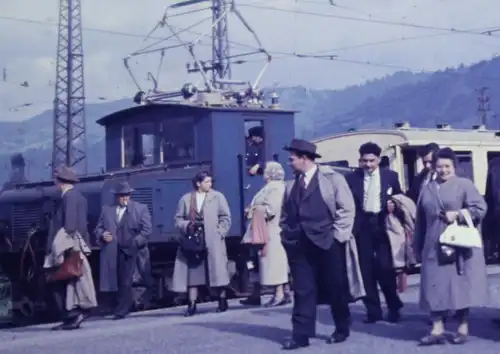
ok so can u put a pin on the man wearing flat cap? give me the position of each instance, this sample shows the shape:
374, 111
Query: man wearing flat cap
255, 158
122, 232
317, 220
69, 233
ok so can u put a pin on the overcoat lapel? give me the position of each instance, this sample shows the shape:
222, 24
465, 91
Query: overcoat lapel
359, 187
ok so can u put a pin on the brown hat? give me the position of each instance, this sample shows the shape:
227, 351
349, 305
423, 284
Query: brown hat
66, 174
303, 146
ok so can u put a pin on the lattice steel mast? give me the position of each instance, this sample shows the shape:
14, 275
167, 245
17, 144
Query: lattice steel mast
220, 43
69, 104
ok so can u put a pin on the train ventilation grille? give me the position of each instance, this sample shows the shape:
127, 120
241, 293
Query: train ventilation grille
144, 196
23, 216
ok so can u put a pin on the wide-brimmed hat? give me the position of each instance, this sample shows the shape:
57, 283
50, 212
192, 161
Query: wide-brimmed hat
66, 174
122, 188
257, 131
303, 146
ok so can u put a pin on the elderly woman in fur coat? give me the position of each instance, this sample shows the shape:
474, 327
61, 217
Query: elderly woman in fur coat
263, 233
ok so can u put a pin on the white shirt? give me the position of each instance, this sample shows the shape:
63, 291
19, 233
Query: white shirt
431, 176
200, 199
309, 175
371, 198
120, 210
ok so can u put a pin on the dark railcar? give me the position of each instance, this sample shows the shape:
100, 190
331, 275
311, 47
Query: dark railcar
157, 148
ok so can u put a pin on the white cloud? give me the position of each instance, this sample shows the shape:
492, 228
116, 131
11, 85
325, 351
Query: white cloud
28, 50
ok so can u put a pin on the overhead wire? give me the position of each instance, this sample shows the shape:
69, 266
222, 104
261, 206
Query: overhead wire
319, 54
374, 21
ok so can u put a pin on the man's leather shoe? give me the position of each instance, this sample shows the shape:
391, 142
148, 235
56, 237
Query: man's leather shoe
338, 337
393, 316
118, 317
295, 343
372, 319
59, 327
75, 324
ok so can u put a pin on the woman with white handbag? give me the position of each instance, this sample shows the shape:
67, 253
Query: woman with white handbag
449, 247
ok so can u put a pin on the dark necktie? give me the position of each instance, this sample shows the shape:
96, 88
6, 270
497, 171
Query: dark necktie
302, 186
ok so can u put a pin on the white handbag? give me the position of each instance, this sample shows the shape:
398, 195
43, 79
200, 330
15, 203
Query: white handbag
460, 235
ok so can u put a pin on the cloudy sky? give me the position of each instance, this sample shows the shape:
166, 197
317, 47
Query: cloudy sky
370, 39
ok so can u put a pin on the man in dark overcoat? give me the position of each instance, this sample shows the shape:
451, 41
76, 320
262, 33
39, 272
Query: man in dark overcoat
427, 174
122, 232
69, 231
317, 219
371, 187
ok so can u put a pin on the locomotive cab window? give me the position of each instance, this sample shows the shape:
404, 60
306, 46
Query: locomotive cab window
255, 155
139, 142
177, 139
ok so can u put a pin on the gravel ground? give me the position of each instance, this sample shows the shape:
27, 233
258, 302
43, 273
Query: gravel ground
242, 330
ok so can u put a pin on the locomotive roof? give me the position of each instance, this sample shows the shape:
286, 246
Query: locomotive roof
182, 108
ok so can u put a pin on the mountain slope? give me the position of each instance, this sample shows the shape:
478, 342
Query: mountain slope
448, 96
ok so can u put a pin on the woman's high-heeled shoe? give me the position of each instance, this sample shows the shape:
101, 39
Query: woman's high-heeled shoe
191, 310
432, 339
223, 305
458, 338
273, 302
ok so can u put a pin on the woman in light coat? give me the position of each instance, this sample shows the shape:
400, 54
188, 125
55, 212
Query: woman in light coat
454, 283
207, 207
273, 263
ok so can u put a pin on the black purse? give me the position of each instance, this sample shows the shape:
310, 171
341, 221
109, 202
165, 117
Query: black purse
192, 241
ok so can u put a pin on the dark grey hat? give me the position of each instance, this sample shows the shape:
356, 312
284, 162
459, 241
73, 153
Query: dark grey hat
66, 174
303, 146
257, 131
122, 188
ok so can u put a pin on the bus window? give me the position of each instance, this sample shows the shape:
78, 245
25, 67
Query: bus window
464, 164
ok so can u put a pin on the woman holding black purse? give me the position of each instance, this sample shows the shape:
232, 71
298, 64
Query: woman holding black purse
452, 278
203, 219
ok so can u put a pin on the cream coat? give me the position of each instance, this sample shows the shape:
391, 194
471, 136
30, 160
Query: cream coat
274, 265
217, 221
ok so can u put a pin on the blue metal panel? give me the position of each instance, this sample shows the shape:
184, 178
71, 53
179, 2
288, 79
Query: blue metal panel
203, 137
280, 130
229, 142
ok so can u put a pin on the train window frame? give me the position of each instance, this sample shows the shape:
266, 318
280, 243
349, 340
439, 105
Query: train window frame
465, 154
129, 144
189, 120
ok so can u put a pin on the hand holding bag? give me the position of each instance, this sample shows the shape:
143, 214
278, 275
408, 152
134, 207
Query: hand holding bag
71, 268
456, 235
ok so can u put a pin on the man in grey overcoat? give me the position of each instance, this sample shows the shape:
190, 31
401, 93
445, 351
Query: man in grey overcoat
122, 232
69, 232
317, 220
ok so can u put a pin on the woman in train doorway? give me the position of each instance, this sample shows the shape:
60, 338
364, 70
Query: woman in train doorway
452, 278
203, 219
263, 234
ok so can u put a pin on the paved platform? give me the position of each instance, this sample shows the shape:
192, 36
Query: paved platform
250, 330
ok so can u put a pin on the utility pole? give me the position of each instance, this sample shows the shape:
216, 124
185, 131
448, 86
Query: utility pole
483, 106
220, 43
69, 143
